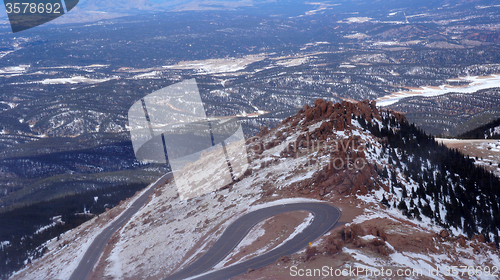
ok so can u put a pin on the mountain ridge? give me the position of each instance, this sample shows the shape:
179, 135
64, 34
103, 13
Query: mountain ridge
356, 156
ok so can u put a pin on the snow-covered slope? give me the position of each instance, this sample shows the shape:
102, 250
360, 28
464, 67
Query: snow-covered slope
350, 155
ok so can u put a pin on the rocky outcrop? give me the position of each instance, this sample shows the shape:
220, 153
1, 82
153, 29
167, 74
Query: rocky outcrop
354, 234
444, 233
379, 232
479, 238
340, 113
311, 252
347, 171
349, 233
349, 180
462, 241
334, 245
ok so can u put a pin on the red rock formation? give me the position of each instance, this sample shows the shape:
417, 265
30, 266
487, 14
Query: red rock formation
461, 241
479, 238
379, 233
334, 245
444, 233
383, 250
348, 171
311, 252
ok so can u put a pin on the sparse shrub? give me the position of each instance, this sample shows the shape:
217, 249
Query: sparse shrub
311, 252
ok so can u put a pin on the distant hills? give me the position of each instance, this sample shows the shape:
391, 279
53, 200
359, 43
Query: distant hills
93, 10
451, 114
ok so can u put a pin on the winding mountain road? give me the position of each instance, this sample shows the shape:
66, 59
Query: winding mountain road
95, 249
325, 218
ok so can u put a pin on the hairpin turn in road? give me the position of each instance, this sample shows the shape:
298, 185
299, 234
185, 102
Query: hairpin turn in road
325, 218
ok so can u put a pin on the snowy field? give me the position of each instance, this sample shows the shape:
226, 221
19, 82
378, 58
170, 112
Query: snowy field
476, 83
485, 153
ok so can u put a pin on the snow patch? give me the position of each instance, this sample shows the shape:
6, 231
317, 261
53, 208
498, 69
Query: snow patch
476, 83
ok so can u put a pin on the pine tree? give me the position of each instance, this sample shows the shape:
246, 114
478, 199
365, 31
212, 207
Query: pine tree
455, 186
436, 211
403, 207
385, 202
416, 214
394, 179
427, 211
362, 121
385, 173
